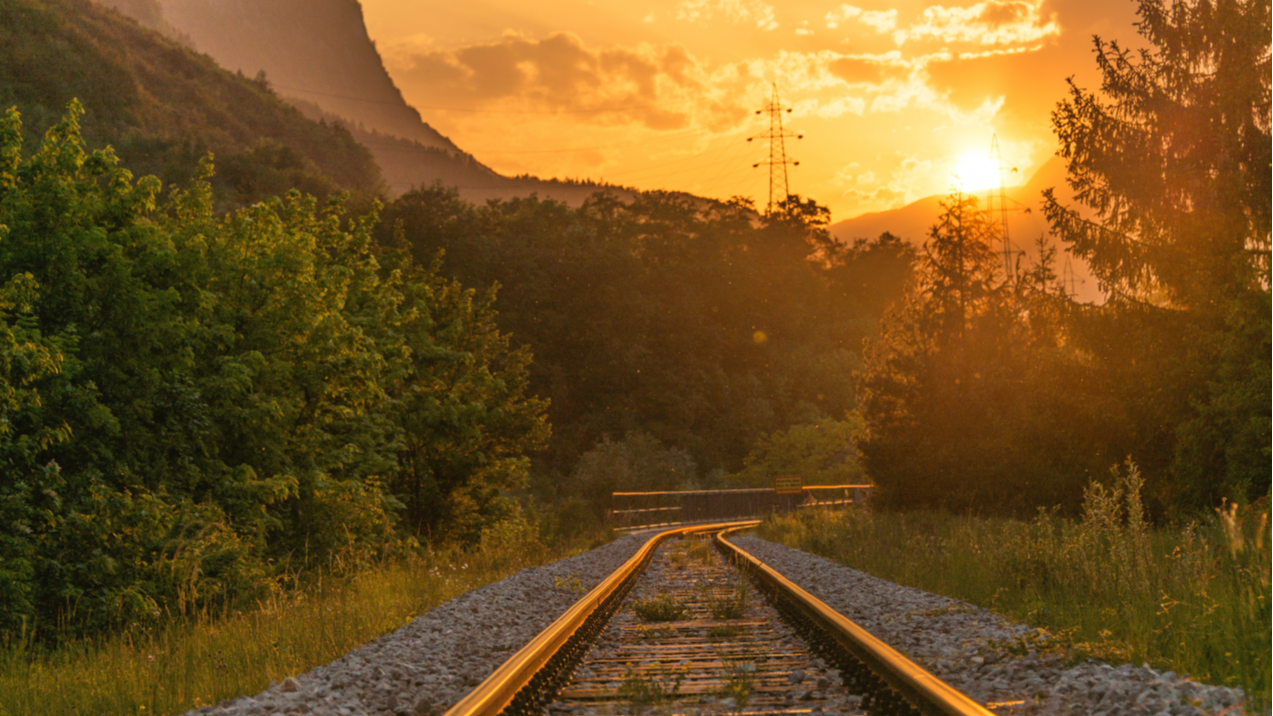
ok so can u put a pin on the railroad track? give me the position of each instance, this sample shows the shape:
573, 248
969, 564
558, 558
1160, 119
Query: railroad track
693, 624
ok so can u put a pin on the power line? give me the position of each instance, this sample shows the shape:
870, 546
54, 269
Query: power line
778, 159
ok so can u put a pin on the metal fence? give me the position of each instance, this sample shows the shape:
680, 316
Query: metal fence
636, 510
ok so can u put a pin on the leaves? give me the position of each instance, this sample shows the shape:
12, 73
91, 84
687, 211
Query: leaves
199, 397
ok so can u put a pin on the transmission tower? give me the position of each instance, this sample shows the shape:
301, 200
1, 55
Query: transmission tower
778, 159
1068, 279
998, 194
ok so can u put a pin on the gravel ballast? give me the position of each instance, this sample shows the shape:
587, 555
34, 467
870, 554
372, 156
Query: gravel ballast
984, 655
428, 665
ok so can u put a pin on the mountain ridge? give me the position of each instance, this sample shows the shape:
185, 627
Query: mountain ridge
318, 56
1026, 222
162, 106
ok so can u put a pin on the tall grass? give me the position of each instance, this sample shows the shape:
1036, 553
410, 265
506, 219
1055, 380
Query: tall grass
1192, 599
177, 664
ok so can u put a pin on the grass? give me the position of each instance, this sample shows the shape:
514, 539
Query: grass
740, 678
1192, 599
733, 605
662, 608
640, 691
722, 632
700, 550
181, 664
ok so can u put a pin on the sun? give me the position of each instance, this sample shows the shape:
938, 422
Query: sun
975, 171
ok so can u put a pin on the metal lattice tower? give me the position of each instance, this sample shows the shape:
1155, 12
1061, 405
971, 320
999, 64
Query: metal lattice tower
993, 193
778, 159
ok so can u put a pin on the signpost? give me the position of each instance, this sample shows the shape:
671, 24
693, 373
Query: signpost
788, 485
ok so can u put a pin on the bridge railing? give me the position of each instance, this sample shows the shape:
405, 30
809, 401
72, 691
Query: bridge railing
639, 510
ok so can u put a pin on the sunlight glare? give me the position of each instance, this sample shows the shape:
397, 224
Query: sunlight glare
975, 171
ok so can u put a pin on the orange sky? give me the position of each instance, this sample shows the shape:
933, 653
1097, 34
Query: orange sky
661, 94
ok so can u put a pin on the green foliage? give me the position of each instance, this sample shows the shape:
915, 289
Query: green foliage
1193, 599
174, 664
200, 399
638, 463
968, 393
1172, 156
732, 605
660, 608
163, 106
699, 324
821, 453
642, 690
740, 680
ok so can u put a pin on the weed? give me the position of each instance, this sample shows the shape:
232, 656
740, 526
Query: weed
663, 632
175, 664
1191, 599
678, 556
740, 678
722, 632
569, 584
732, 606
663, 608
641, 690
700, 550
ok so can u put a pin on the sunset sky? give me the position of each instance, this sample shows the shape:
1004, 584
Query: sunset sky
894, 99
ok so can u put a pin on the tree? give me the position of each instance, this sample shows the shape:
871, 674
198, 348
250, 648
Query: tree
1172, 157
967, 393
188, 400
702, 324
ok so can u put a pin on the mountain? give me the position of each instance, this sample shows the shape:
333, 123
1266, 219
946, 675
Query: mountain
316, 50
162, 106
1025, 221
317, 55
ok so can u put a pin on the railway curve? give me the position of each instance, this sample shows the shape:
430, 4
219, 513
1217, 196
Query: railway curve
652, 661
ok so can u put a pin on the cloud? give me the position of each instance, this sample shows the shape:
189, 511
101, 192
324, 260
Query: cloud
736, 11
997, 22
840, 107
653, 86
869, 69
875, 19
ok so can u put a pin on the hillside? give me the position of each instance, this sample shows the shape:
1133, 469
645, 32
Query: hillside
316, 54
162, 106
1026, 221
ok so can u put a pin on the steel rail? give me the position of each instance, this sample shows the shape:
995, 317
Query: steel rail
499, 689
928, 694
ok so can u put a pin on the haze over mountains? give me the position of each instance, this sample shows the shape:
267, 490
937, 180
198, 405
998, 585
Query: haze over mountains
316, 54
1025, 219
163, 107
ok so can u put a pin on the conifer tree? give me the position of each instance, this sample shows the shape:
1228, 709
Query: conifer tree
1172, 156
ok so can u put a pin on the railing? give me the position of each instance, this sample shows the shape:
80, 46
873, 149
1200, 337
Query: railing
638, 510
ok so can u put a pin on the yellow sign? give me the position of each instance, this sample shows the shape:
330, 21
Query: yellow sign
789, 485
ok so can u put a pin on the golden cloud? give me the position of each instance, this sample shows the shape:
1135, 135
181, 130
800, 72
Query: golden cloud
880, 21
737, 11
614, 85
868, 69
997, 22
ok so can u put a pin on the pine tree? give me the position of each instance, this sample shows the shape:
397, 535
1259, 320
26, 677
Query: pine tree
1173, 158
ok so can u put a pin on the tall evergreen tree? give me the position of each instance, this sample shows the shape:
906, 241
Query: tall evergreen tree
1173, 156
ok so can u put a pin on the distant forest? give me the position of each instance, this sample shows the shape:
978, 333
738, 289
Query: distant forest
248, 359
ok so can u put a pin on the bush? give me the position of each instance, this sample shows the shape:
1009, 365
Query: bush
189, 403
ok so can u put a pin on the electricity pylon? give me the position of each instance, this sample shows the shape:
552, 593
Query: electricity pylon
778, 159
1009, 267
